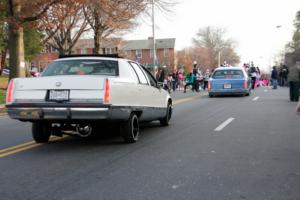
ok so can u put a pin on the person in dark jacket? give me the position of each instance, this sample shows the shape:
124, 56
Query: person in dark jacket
161, 76
294, 81
274, 77
174, 79
253, 74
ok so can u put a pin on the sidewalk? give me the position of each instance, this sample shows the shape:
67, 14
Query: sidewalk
180, 95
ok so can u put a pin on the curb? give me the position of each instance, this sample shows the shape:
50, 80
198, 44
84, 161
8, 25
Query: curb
2, 110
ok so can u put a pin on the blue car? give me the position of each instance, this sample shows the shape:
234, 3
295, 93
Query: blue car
229, 81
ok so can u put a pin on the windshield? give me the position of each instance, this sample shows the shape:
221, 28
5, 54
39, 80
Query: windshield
228, 74
83, 67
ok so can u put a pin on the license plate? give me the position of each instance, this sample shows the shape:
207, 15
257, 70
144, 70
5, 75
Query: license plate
59, 95
227, 86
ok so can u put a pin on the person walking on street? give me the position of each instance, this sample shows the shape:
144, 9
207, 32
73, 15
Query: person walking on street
190, 81
196, 77
253, 75
285, 72
174, 79
206, 78
294, 79
274, 77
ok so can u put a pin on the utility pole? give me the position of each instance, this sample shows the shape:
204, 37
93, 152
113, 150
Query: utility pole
153, 34
219, 59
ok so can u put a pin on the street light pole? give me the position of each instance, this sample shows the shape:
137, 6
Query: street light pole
153, 34
219, 59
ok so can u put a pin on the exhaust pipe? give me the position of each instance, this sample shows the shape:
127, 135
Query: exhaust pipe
84, 130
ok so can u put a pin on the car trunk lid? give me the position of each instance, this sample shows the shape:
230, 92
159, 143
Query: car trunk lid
78, 88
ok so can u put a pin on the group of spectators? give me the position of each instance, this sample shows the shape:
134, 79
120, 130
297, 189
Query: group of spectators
178, 80
197, 80
285, 76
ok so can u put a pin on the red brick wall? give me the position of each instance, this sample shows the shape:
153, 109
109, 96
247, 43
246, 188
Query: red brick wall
168, 61
90, 51
42, 60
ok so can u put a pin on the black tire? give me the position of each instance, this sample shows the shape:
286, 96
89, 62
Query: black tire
166, 120
210, 95
41, 132
130, 130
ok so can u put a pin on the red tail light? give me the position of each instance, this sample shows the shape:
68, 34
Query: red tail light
245, 84
106, 92
209, 85
9, 93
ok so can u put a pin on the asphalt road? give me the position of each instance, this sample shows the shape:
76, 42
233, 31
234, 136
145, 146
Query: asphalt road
219, 148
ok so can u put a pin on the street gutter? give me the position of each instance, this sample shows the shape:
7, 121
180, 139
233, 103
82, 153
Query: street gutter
2, 110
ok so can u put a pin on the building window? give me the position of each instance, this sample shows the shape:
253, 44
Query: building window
83, 51
166, 52
138, 54
110, 50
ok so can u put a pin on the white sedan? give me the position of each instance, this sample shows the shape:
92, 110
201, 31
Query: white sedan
80, 93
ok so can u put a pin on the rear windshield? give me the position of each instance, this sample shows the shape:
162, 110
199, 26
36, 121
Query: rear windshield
82, 67
228, 74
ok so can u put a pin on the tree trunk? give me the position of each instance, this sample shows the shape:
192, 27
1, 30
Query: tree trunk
15, 41
98, 42
16, 51
3, 59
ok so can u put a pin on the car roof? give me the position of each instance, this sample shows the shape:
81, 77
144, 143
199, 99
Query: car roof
89, 58
229, 68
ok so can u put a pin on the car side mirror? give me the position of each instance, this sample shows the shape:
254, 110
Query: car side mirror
160, 85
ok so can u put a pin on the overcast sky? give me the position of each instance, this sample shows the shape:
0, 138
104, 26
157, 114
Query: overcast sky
252, 23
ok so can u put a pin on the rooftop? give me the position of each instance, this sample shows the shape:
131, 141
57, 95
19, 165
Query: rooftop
167, 43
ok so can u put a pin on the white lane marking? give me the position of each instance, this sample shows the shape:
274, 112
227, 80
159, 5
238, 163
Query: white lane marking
256, 98
265, 90
224, 124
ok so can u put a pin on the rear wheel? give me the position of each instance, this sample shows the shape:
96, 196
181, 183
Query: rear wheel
41, 132
130, 130
166, 120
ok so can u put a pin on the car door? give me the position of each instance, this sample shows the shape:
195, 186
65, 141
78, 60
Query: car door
145, 101
159, 95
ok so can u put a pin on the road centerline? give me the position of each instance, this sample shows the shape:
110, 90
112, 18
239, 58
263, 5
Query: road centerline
26, 146
31, 144
224, 124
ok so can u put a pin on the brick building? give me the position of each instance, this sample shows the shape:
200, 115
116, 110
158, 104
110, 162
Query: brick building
138, 50
142, 51
43, 59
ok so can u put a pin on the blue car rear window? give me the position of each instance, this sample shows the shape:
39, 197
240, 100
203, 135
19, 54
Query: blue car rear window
228, 74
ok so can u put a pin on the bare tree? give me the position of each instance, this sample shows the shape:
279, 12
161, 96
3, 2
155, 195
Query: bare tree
63, 25
214, 40
106, 17
187, 56
18, 13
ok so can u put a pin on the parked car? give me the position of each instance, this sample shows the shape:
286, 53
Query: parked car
229, 81
80, 93
5, 71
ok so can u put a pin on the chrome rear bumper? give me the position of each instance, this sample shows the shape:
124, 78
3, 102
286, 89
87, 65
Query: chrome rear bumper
44, 113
